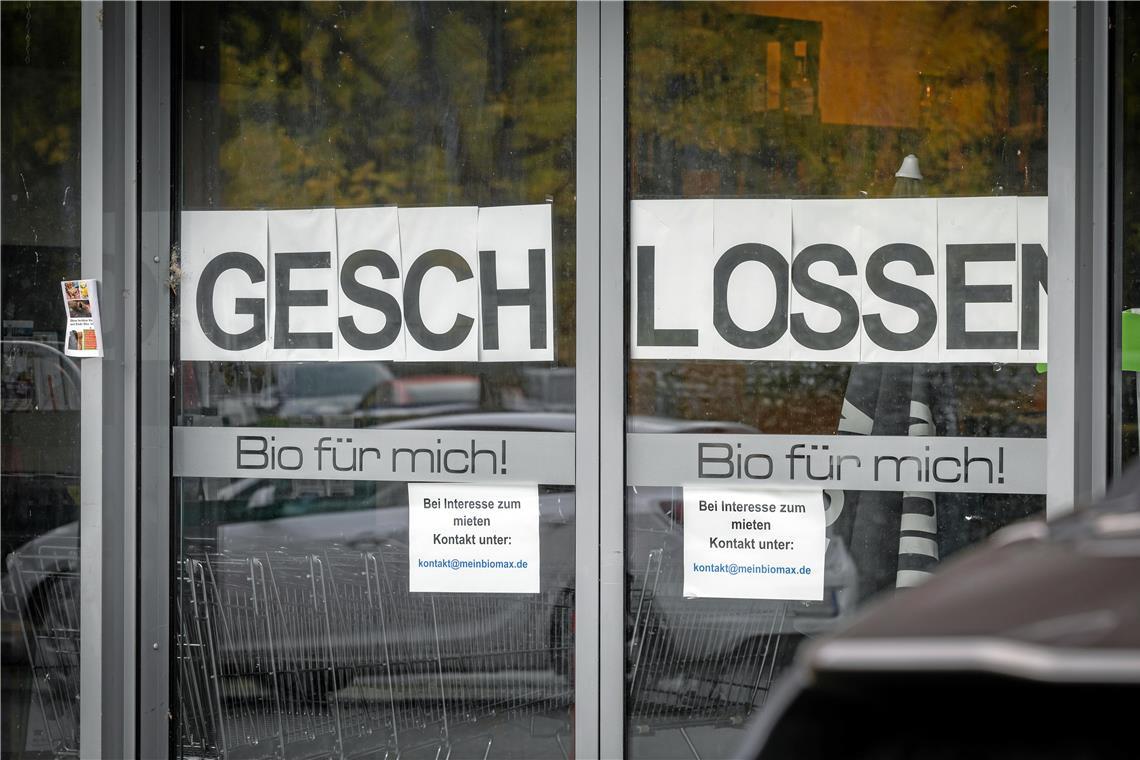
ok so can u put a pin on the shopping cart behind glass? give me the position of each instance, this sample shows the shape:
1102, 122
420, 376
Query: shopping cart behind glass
330, 655
45, 592
697, 662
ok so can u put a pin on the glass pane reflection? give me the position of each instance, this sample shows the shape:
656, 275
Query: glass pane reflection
299, 636
815, 100
39, 487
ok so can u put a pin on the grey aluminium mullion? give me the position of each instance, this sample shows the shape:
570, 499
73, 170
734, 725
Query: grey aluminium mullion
588, 331
1078, 248
1060, 420
1099, 295
1115, 62
154, 382
91, 392
108, 497
611, 657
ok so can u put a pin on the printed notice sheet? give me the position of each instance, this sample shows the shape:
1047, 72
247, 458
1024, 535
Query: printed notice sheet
84, 329
754, 544
473, 538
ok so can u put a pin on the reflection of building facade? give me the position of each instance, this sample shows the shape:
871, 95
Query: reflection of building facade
162, 598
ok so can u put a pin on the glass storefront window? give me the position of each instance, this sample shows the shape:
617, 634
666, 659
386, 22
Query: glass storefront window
797, 105
304, 627
40, 420
1126, 286
835, 283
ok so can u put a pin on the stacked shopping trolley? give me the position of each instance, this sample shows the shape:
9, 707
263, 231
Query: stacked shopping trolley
286, 655
330, 655
697, 662
42, 585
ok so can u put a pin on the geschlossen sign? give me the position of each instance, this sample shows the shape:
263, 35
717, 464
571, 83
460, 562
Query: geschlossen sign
408, 284
891, 280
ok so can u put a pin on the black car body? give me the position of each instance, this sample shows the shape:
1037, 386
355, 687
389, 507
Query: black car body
1027, 647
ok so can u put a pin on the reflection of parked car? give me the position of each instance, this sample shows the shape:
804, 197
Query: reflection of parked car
299, 589
308, 517
1041, 622
314, 389
544, 389
39, 489
424, 391
404, 398
38, 377
39, 546
554, 422
564, 422
334, 393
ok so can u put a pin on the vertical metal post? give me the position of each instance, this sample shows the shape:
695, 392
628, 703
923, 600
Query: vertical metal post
1098, 297
91, 407
586, 611
612, 373
108, 499
154, 380
1078, 401
1115, 66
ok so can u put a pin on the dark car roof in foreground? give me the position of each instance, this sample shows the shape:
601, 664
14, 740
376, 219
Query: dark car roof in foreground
1056, 602
1043, 620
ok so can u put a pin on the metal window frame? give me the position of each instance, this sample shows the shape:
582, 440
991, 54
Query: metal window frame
1115, 95
589, 387
612, 352
156, 130
109, 397
156, 203
1080, 360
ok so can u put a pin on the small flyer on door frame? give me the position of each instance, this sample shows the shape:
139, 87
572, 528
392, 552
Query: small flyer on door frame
84, 335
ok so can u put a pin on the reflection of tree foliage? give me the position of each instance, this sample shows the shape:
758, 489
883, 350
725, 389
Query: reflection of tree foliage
695, 71
41, 122
700, 122
346, 104
375, 103
984, 128
39, 134
1129, 86
41, 90
690, 81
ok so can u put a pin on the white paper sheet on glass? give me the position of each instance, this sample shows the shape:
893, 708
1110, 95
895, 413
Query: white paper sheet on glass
681, 233
752, 287
304, 236
975, 221
365, 231
891, 222
511, 233
84, 335
1033, 229
475, 539
205, 236
743, 543
836, 224
444, 303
